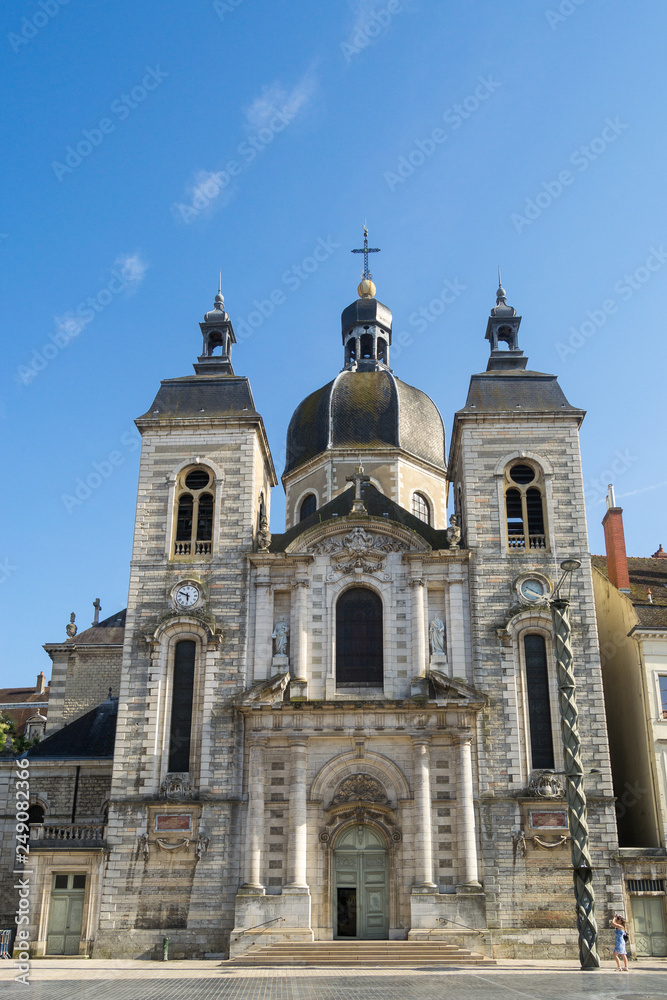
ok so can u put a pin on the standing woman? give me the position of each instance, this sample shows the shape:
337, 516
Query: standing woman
620, 952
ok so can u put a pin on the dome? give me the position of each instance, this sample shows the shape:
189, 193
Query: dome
366, 409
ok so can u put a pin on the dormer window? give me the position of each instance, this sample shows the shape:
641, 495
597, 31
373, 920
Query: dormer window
194, 514
524, 507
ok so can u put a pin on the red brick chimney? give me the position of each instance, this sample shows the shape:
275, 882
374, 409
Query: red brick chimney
614, 540
41, 682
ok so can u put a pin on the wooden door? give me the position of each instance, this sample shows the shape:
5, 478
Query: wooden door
361, 886
648, 922
68, 894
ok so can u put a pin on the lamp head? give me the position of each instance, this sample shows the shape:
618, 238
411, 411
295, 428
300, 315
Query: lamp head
569, 565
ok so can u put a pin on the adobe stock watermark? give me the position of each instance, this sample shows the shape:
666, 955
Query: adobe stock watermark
224, 7
454, 117
125, 276
581, 158
370, 25
595, 489
565, 9
624, 288
6, 569
84, 486
22, 917
292, 279
209, 186
31, 26
121, 107
422, 318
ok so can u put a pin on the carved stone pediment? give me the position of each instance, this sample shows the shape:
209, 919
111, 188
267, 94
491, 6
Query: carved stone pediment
358, 549
360, 788
269, 692
454, 689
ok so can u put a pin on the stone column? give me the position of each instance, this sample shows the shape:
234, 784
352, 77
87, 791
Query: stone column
263, 623
423, 824
418, 637
298, 834
300, 631
255, 818
466, 816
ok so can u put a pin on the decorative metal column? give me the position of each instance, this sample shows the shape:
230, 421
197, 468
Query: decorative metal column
574, 777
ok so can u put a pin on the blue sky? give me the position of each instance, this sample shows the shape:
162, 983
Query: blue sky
152, 145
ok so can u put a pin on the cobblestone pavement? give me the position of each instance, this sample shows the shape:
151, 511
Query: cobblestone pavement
210, 981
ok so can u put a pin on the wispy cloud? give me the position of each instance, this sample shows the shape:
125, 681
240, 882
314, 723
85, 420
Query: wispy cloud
133, 268
645, 489
276, 99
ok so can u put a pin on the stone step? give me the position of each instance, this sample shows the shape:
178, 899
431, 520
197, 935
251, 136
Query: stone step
389, 954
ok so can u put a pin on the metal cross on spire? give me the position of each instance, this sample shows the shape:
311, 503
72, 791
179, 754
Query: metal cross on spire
365, 250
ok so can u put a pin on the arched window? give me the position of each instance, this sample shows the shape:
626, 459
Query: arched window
35, 814
308, 506
524, 507
421, 507
359, 639
538, 701
194, 514
180, 727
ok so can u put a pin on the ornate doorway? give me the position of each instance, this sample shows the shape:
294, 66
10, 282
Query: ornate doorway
361, 886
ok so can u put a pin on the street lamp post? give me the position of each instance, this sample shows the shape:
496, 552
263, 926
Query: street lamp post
574, 775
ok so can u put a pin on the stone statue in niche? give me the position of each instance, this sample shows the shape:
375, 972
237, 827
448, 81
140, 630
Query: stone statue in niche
436, 632
279, 635
453, 532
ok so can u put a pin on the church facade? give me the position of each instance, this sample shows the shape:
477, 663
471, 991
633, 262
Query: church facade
348, 730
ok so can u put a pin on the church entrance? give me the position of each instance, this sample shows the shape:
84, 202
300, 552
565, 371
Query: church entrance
361, 886
63, 935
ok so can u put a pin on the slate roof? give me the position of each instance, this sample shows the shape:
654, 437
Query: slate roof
93, 735
36, 700
377, 505
110, 632
497, 391
366, 409
202, 396
644, 573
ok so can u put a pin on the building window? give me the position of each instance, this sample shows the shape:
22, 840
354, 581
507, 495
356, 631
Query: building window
359, 639
539, 704
35, 815
524, 506
308, 506
421, 507
663, 696
180, 728
194, 514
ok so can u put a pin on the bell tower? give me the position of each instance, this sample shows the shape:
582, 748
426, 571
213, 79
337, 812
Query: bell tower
202, 507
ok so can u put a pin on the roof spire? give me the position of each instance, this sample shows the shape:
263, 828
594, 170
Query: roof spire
366, 289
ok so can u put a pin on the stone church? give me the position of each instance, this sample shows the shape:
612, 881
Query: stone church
348, 730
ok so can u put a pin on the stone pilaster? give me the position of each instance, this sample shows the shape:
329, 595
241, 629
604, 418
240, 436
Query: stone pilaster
418, 636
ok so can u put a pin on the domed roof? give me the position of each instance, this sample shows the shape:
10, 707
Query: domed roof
366, 409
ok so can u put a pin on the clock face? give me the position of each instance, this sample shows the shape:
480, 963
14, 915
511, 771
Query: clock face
187, 595
532, 589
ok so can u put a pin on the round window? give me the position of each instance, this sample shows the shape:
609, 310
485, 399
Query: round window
521, 474
198, 479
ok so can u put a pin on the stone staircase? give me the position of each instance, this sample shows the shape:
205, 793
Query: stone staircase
386, 954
